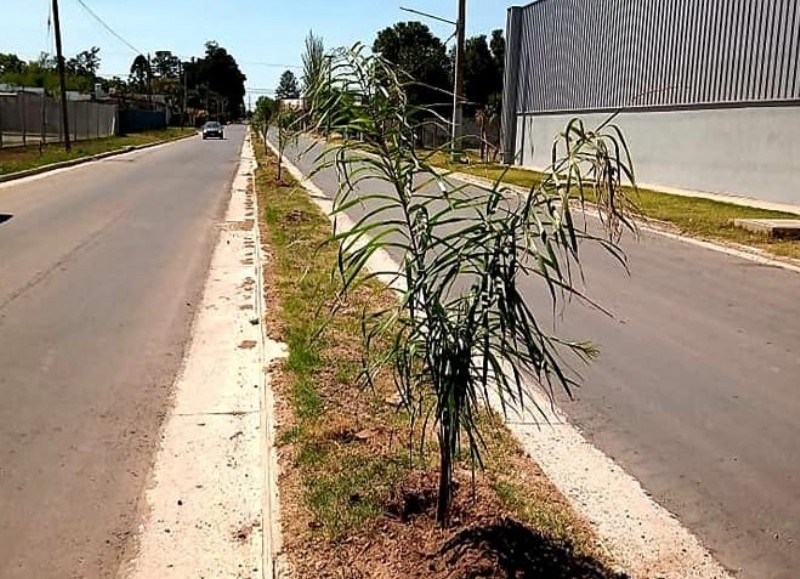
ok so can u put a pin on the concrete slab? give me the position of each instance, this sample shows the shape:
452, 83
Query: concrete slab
775, 228
212, 502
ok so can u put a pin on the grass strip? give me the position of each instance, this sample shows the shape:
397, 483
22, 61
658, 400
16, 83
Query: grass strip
354, 496
15, 159
692, 216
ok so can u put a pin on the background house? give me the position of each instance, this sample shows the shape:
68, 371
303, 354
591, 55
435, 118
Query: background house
710, 90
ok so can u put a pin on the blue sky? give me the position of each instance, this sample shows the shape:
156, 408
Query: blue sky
254, 31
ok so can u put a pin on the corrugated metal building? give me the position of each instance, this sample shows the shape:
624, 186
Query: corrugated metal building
710, 88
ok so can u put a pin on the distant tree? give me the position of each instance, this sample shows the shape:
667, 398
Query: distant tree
285, 121
220, 75
479, 71
141, 74
117, 85
498, 47
85, 63
46, 61
166, 65
192, 72
313, 62
266, 108
90, 60
166, 69
488, 118
41, 73
287, 86
11, 64
412, 47
484, 69
483, 85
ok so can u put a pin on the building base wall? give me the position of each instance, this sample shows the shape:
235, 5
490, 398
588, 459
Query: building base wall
752, 152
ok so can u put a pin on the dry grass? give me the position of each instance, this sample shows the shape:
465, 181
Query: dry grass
356, 502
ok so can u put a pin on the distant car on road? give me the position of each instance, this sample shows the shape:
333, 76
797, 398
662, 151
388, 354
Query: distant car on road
213, 129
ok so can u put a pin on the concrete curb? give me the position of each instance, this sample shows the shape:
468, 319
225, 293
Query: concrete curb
208, 511
730, 199
275, 564
89, 159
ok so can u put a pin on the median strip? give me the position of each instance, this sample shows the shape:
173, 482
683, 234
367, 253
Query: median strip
353, 494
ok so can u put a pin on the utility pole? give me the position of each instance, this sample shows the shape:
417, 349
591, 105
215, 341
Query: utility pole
185, 94
458, 93
150, 80
61, 77
329, 91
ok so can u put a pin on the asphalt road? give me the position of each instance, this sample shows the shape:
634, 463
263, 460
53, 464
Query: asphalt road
100, 268
697, 390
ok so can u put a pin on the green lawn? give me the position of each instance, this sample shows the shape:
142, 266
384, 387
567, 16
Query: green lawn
693, 216
14, 159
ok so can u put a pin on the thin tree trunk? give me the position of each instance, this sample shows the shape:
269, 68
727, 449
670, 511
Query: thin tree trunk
445, 479
280, 165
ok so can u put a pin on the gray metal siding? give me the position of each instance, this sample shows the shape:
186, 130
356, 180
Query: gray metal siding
578, 55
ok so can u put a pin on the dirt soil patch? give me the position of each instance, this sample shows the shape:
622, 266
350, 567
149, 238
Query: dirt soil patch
485, 541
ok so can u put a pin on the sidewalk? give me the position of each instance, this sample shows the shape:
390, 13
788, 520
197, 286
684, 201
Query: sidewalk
213, 502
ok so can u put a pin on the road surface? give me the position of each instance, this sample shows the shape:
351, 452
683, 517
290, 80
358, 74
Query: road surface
697, 390
100, 270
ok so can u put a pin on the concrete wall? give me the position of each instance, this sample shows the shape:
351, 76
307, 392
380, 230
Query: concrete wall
25, 119
712, 87
574, 55
751, 152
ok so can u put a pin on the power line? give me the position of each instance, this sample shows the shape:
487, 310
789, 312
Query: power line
108, 28
431, 16
271, 64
